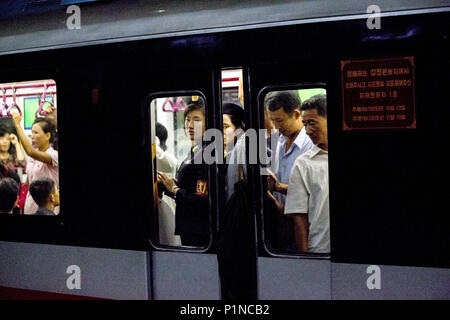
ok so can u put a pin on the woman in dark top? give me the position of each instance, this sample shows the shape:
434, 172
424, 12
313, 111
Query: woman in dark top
190, 190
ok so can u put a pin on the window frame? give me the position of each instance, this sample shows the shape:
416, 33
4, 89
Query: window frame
32, 228
150, 169
263, 182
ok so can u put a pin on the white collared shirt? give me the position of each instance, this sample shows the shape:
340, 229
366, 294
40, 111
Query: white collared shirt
308, 193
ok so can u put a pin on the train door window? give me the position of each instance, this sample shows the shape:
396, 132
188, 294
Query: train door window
180, 176
233, 120
295, 179
232, 89
29, 148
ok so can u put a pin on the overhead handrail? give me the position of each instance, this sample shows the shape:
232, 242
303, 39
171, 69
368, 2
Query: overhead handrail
180, 105
14, 104
4, 106
6, 110
168, 100
30, 85
42, 101
180, 101
29, 94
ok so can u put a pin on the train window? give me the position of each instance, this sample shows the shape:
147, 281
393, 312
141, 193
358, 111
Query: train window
295, 180
29, 169
232, 90
234, 137
181, 181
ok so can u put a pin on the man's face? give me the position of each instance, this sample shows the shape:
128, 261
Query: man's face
285, 123
55, 196
316, 127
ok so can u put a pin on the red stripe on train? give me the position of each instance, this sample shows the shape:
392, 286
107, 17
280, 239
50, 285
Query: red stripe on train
7, 293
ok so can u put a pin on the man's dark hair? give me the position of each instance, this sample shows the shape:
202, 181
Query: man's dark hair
288, 100
9, 190
6, 172
161, 133
318, 102
40, 190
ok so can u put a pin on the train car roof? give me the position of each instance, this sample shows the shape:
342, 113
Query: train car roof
31, 25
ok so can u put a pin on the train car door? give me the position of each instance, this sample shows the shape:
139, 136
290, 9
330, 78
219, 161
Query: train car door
182, 203
283, 272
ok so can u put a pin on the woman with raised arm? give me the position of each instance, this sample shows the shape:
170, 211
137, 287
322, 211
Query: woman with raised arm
43, 159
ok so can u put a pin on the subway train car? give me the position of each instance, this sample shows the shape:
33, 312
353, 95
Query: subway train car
113, 69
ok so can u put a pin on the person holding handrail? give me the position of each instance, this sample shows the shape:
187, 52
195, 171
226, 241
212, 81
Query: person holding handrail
43, 158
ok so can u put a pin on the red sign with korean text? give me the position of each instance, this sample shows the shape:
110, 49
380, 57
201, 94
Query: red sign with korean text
378, 93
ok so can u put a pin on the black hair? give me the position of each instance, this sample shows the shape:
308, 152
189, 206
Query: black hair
9, 190
48, 125
40, 190
288, 100
192, 107
318, 102
161, 133
6, 172
236, 114
190, 100
12, 147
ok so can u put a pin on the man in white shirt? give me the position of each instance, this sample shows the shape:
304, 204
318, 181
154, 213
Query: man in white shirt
284, 111
307, 198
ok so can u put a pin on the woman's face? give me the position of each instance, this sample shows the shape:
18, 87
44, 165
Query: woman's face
228, 130
194, 124
38, 137
5, 142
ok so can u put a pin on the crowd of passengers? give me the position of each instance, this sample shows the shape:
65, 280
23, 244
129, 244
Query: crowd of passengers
29, 174
297, 200
297, 204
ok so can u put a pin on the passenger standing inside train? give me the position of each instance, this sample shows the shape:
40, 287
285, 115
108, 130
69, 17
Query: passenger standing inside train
46, 195
192, 221
6, 195
284, 111
234, 142
307, 198
233, 124
9, 194
167, 164
43, 159
12, 156
238, 157
10, 151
